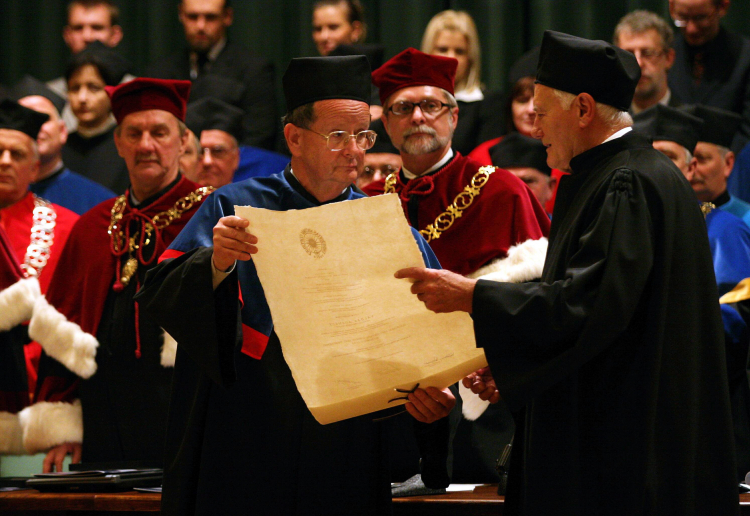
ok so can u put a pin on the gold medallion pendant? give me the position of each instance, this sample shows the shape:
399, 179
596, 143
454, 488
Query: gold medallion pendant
128, 270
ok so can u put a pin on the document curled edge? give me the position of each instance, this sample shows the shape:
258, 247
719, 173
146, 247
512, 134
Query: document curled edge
354, 337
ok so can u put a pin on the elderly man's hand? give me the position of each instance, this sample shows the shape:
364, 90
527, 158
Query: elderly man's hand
55, 457
440, 290
430, 404
482, 384
231, 242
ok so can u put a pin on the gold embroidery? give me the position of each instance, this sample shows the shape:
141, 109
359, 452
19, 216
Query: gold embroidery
462, 201
159, 221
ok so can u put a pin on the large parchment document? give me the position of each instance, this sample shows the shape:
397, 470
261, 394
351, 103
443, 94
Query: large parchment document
352, 333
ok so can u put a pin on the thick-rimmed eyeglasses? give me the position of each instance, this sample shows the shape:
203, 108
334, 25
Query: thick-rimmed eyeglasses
427, 106
338, 140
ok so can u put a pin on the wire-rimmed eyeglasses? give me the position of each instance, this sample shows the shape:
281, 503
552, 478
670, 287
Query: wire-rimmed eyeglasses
338, 140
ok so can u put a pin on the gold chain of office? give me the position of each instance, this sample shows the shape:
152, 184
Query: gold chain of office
158, 221
462, 201
42, 237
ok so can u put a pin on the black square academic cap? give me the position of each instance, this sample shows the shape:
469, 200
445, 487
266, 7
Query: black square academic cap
719, 125
670, 124
14, 116
213, 114
518, 151
309, 79
577, 65
29, 86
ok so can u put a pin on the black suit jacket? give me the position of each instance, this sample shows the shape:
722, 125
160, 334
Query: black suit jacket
237, 77
726, 79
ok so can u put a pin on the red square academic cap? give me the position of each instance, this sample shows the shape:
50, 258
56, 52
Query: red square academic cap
414, 68
145, 93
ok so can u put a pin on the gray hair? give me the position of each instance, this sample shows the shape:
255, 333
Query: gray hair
609, 115
641, 21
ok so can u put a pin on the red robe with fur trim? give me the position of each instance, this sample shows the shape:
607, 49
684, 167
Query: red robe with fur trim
504, 213
19, 358
87, 327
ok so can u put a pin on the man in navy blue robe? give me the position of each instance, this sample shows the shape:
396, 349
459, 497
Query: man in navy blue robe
240, 438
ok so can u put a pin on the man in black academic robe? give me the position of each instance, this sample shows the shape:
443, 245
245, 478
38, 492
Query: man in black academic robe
240, 439
617, 354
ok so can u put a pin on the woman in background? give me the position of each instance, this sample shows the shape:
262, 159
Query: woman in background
337, 22
454, 34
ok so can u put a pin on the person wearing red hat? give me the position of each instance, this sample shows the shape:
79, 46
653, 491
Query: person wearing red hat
472, 216
33, 232
89, 322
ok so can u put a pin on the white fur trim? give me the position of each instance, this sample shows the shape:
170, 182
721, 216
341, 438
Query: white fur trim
168, 350
11, 441
473, 405
525, 262
17, 302
46, 424
63, 340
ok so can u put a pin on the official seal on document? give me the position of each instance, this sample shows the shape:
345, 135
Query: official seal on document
312, 243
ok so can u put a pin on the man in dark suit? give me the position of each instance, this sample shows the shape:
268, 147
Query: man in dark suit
649, 38
712, 65
213, 62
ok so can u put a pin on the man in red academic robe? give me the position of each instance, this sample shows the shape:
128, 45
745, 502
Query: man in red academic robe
478, 220
90, 323
34, 232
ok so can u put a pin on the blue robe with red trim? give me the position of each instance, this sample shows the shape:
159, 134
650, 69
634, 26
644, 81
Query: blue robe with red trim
240, 439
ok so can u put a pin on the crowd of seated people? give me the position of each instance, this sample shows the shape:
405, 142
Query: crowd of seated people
83, 146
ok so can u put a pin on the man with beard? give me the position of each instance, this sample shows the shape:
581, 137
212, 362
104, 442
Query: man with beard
649, 38
472, 216
89, 322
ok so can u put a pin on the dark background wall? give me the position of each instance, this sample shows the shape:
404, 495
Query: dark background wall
278, 30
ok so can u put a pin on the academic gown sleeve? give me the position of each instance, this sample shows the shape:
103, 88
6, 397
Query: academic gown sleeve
535, 334
179, 294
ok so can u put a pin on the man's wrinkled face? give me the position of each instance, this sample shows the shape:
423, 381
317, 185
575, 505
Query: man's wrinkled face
418, 132
698, 20
205, 22
554, 126
654, 60
150, 143
88, 98
90, 24
711, 168
218, 160
378, 165
53, 135
18, 166
338, 168
677, 153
